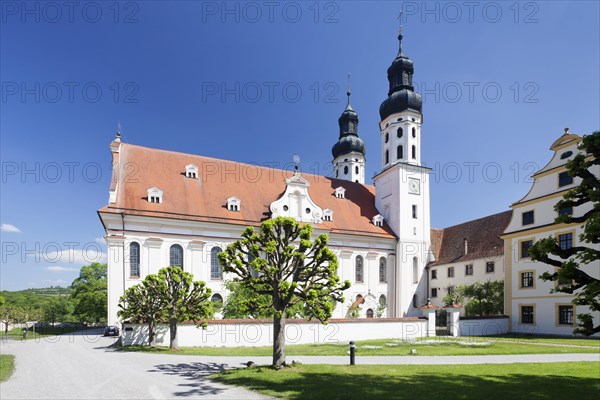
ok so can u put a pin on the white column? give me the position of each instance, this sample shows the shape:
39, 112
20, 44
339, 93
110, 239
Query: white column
116, 275
454, 316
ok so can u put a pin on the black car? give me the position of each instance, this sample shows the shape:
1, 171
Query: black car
111, 331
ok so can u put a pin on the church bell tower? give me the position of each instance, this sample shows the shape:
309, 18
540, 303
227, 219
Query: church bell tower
349, 151
402, 186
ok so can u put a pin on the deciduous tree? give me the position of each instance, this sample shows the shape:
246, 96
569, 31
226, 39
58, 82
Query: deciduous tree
578, 266
90, 293
290, 268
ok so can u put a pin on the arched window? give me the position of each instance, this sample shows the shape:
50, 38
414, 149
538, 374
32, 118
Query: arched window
387, 156
356, 169
176, 256
359, 269
346, 170
414, 132
134, 260
415, 270
382, 270
215, 268
370, 313
387, 137
217, 300
253, 272
415, 301
382, 301
414, 152
399, 152
400, 132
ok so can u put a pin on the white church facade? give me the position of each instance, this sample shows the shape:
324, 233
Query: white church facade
169, 208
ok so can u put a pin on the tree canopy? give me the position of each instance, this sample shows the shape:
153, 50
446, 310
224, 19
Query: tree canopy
578, 266
89, 291
282, 262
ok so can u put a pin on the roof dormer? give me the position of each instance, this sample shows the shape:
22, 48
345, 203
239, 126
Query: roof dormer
234, 204
155, 195
378, 220
328, 215
340, 192
191, 171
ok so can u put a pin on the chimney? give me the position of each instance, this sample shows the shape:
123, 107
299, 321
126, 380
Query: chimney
466, 244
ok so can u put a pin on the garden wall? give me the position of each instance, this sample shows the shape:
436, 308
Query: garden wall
489, 326
242, 333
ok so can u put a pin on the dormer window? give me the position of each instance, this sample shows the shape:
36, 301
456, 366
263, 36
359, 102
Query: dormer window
155, 195
233, 204
378, 220
340, 192
191, 171
328, 215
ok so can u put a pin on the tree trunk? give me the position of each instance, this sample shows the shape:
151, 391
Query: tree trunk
151, 334
279, 341
173, 331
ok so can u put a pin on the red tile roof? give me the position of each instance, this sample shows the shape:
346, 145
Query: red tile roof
205, 198
482, 235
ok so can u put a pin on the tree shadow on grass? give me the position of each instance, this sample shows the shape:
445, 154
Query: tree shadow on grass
195, 372
340, 384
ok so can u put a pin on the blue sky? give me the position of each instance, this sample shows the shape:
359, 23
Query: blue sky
259, 82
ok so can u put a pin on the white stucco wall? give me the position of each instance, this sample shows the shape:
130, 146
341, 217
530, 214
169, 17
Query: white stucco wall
260, 333
483, 327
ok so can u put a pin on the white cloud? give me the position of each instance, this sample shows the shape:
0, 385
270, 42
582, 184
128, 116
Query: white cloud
55, 253
56, 268
9, 228
100, 240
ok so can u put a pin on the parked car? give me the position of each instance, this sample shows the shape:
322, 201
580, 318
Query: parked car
111, 331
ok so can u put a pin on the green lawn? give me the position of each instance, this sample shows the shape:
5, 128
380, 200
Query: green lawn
508, 381
390, 347
575, 341
7, 366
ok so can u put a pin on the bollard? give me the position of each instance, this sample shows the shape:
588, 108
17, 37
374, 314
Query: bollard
352, 352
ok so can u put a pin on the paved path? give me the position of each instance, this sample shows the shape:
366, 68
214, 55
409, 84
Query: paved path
79, 366
76, 366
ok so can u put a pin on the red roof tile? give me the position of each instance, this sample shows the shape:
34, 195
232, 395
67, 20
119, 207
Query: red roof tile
205, 198
482, 235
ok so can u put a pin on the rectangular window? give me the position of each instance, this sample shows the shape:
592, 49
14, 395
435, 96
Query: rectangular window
527, 279
527, 218
450, 289
525, 245
527, 315
490, 267
450, 272
469, 269
565, 241
564, 179
414, 211
565, 211
565, 315
434, 292
434, 274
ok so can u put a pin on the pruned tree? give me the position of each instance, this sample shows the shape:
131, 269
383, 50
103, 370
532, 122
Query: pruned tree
570, 276
144, 303
282, 262
184, 300
9, 314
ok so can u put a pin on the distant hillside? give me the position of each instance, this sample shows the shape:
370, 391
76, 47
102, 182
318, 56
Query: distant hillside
34, 297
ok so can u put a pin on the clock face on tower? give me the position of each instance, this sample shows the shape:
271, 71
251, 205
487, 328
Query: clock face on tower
414, 186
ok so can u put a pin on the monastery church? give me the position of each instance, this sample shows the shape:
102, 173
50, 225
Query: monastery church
183, 209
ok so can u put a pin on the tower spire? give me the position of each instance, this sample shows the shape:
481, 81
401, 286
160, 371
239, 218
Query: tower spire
348, 106
400, 32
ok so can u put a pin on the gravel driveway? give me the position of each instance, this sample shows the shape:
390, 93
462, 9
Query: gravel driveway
82, 366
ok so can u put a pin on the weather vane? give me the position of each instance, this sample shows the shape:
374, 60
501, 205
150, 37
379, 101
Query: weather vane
400, 21
296, 159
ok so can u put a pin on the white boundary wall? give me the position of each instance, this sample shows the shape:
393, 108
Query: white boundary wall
247, 333
483, 326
